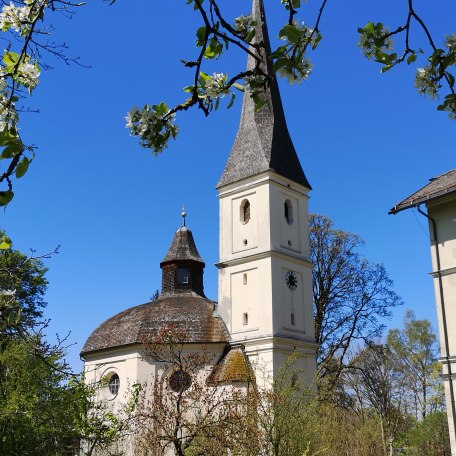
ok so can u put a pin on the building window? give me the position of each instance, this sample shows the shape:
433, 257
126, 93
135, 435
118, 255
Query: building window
244, 278
288, 211
245, 211
183, 276
245, 319
180, 381
294, 379
114, 384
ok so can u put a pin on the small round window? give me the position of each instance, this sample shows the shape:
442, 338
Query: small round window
114, 384
245, 211
180, 381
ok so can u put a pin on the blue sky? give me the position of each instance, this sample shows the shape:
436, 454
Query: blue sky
365, 141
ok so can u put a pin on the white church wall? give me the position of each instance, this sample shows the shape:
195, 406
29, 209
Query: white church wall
293, 315
237, 237
245, 300
99, 369
289, 235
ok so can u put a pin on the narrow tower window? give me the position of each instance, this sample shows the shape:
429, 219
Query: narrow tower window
245, 278
245, 211
288, 211
245, 318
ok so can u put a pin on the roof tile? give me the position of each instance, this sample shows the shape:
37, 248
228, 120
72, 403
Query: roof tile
438, 186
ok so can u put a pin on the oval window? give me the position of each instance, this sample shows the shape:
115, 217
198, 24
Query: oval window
114, 384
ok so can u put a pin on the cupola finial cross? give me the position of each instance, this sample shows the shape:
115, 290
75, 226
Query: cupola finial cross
184, 215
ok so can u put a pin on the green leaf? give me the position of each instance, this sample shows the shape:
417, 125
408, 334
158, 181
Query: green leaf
233, 96
7, 137
10, 151
386, 68
10, 58
22, 167
411, 58
250, 36
6, 197
201, 35
316, 41
436, 56
368, 28
204, 76
291, 32
5, 243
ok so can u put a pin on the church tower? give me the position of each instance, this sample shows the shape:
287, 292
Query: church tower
265, 280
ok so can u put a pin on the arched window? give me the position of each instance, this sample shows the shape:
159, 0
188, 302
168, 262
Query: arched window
288, 211
114, 384
245, 211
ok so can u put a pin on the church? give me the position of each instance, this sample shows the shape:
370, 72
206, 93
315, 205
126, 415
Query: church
264, 311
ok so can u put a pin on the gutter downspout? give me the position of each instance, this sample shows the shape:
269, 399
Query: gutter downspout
446, 358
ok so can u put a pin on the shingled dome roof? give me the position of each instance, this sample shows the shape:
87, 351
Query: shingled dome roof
182, 303
189, 311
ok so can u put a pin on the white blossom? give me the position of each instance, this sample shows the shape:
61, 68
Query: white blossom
425, 81
243, 24
28, 74
8, 113
14, 17
450, 41
215, 86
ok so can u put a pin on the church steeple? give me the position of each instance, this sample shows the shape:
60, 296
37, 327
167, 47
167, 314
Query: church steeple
263, 142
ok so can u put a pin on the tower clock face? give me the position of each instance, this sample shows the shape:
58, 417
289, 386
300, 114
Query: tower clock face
291, 280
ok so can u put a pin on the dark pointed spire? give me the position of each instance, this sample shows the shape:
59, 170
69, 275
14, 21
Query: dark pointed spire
182, 267
262, 142
183, 247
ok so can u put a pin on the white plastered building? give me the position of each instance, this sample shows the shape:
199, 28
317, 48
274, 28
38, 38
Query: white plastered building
439, 198
264, 308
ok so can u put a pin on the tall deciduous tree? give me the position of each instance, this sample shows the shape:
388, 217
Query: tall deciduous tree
45, 409
22, 285
415, 346
179, 411
376, 382
352, 296
37, 405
